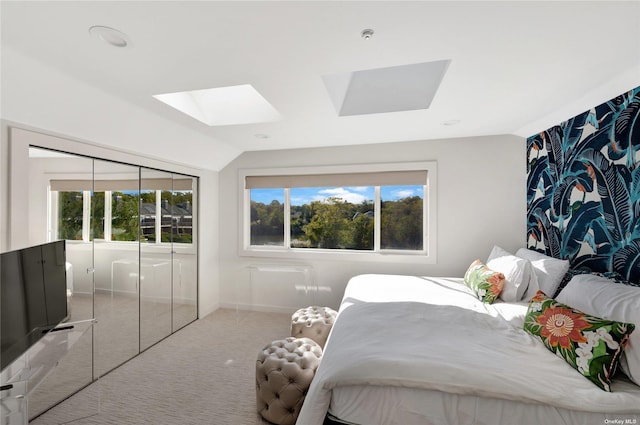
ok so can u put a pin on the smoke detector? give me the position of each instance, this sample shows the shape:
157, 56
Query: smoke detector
366, 34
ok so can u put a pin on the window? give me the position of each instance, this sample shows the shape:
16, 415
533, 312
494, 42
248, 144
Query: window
401, 217
267, 217
152, 216
98, 214
70, 215
124, 215
376, 209
179, 205
332, 217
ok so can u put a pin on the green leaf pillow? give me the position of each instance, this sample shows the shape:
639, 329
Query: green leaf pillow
589, 344
484, 282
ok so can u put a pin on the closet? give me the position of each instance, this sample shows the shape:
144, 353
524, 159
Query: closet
131, 253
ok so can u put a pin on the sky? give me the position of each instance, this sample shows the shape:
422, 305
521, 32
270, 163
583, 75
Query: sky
355, 195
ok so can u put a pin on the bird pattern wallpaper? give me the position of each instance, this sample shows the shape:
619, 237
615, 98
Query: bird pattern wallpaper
583, 188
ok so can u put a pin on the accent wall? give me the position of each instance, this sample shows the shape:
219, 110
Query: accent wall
583, 188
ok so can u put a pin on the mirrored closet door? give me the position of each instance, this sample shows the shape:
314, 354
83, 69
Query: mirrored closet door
114, 232
168, 270
183, 205
132, 259
156, 265
60, 188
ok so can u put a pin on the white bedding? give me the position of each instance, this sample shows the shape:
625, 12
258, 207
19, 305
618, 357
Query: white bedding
433, 336
376, 405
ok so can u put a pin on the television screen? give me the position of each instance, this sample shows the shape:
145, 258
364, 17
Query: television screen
33, 296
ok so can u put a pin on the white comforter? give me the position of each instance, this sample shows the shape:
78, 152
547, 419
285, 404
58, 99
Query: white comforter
431, 333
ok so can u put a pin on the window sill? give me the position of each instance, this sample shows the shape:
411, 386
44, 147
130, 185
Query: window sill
417, 257
179, 248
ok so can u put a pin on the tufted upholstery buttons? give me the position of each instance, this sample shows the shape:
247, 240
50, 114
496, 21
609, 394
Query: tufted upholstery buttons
284, 370
313, 322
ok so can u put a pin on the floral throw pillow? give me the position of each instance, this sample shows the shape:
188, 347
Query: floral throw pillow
589, 344
484, 282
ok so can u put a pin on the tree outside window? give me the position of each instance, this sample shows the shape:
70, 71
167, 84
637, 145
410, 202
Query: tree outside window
124, 216
132, 216
339, 217
70, 212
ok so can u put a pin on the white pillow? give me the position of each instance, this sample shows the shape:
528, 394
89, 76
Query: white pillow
598, 296
549, 271
533, 285
516, 271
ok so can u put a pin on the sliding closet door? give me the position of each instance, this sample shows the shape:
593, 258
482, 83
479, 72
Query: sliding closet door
114, 230
132, 263
156, 268
185, 252
59, 200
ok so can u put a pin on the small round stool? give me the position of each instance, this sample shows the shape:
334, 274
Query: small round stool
313, 322
284, 371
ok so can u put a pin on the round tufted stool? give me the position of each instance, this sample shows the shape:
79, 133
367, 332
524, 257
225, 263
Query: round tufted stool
313, 322
284, 371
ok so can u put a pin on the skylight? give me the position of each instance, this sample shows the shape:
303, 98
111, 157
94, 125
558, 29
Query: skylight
391, 89
240, 104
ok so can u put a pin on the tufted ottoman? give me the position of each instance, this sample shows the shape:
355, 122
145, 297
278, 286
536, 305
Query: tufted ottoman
313, 322
284, 371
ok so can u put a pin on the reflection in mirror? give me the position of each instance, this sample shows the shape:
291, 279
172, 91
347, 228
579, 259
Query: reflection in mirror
184, 231
114, 232
59, 194
131, 261
155, 256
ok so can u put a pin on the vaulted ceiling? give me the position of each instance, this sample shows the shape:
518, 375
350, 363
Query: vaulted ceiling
515, 68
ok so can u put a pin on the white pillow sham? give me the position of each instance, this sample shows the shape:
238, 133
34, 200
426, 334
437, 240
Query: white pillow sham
517, 272
599, 296
549, 271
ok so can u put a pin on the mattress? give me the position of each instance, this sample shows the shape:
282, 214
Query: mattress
353, 401
378, 405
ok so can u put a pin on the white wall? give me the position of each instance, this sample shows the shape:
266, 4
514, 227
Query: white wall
4, 186
39, 95
208, 262
24, 213
481, 201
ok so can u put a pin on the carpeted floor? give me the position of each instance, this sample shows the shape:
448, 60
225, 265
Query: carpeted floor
203, 374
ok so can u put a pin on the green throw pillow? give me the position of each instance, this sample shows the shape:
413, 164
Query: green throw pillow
591, 345
484, 282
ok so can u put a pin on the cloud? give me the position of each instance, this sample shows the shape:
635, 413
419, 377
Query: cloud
302, 196
299, 200
342, 193
399, 194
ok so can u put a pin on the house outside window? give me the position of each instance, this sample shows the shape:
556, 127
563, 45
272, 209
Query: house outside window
151, 216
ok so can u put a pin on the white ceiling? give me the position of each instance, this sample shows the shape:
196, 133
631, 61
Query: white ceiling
516, 68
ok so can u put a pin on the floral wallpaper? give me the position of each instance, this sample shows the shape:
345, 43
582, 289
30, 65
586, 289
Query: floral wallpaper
583, 188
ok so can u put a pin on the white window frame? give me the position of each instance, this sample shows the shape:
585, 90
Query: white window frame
53, 202
425, 256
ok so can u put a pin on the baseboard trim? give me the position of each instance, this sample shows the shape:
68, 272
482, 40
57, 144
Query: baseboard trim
260, 308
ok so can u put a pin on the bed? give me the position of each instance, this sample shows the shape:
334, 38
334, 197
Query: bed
426, 350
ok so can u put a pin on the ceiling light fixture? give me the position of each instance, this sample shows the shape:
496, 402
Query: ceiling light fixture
366, 34
110, 35
261, 136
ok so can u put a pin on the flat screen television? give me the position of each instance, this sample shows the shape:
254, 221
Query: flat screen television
33, 296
